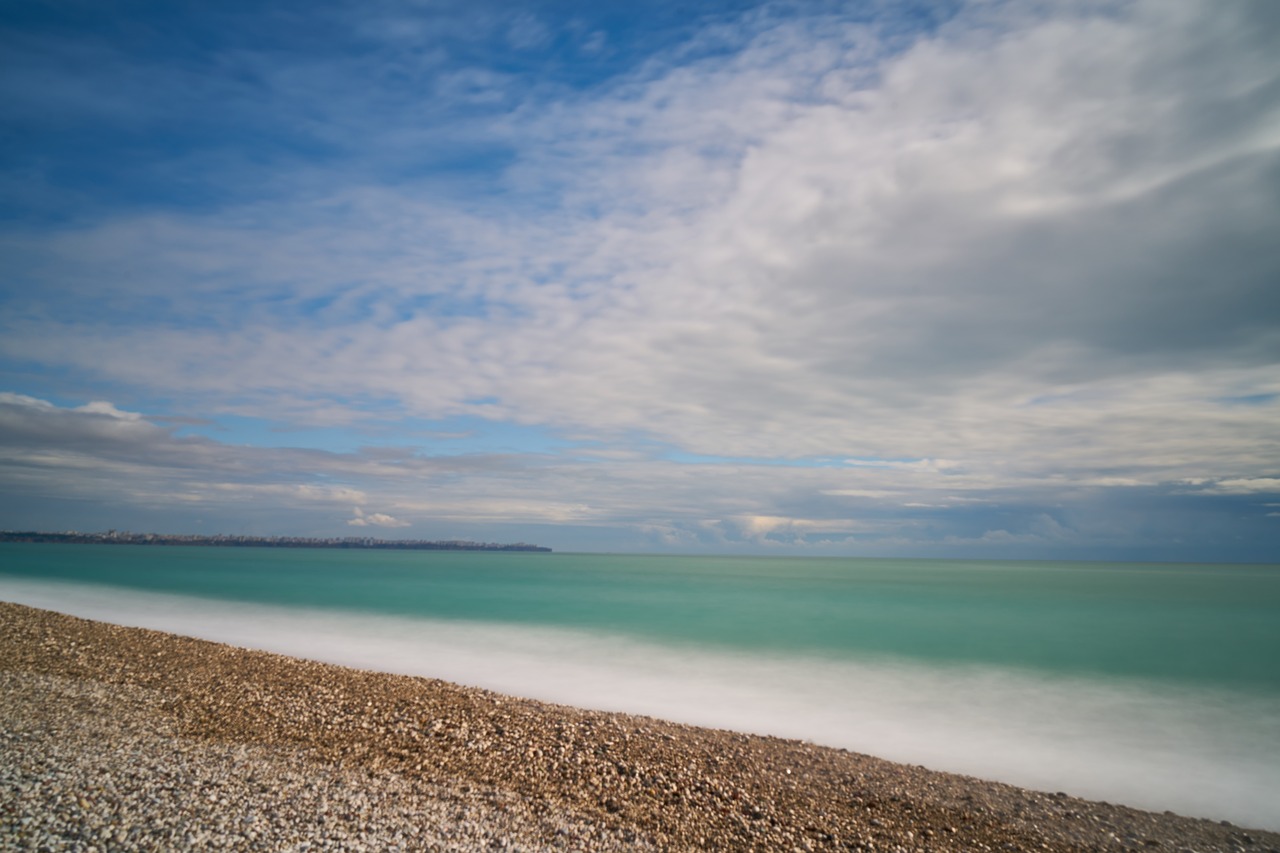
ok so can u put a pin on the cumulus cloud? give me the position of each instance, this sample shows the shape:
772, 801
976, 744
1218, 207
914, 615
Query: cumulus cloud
374, 519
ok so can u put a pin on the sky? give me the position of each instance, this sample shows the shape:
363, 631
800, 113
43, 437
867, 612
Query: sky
933, 279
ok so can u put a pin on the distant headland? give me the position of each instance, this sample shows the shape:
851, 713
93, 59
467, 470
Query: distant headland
116, 537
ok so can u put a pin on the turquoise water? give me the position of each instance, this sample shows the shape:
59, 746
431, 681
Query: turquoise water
1212, 624
1114, 678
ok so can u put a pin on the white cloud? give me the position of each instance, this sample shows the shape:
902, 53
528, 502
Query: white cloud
645, 503
1247, 486
761, 526
873, 271
101, 407
298, 492
375, 519
1030, 251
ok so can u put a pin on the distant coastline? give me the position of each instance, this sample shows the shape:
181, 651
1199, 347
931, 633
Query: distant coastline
114, 537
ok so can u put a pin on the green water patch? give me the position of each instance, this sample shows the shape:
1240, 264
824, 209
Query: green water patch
1185, 623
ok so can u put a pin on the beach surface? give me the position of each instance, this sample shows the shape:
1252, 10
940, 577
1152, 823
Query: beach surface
130, 739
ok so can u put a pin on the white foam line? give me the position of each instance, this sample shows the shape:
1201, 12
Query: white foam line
1209, 754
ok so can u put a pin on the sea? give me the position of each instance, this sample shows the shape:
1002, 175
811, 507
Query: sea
1156, 685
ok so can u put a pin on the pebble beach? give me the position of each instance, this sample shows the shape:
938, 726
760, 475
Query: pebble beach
115, 738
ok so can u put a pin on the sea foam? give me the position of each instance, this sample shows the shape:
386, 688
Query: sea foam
1206, 753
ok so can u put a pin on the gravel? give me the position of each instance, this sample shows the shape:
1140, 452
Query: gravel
118, 738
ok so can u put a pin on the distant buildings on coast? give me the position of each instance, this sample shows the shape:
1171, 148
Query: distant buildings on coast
115, 537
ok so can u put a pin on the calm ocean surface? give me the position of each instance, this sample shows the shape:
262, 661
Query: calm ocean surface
1157, 685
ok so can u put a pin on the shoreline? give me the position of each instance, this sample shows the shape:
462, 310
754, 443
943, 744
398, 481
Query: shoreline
439, 766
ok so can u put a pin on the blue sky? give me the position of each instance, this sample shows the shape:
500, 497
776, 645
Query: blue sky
983, 279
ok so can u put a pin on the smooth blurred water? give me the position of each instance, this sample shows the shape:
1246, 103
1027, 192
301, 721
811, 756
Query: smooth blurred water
1152, 684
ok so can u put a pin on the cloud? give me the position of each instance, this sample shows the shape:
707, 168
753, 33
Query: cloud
526, 32
376, 519
1247, 486
635, 503
854, 250
1017, 257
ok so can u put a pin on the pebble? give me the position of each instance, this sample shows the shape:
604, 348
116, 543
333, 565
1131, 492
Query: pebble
126, 739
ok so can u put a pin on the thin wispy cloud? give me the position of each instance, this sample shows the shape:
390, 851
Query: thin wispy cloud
1015, 263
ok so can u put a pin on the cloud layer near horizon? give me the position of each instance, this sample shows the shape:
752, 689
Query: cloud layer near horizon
796, 277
